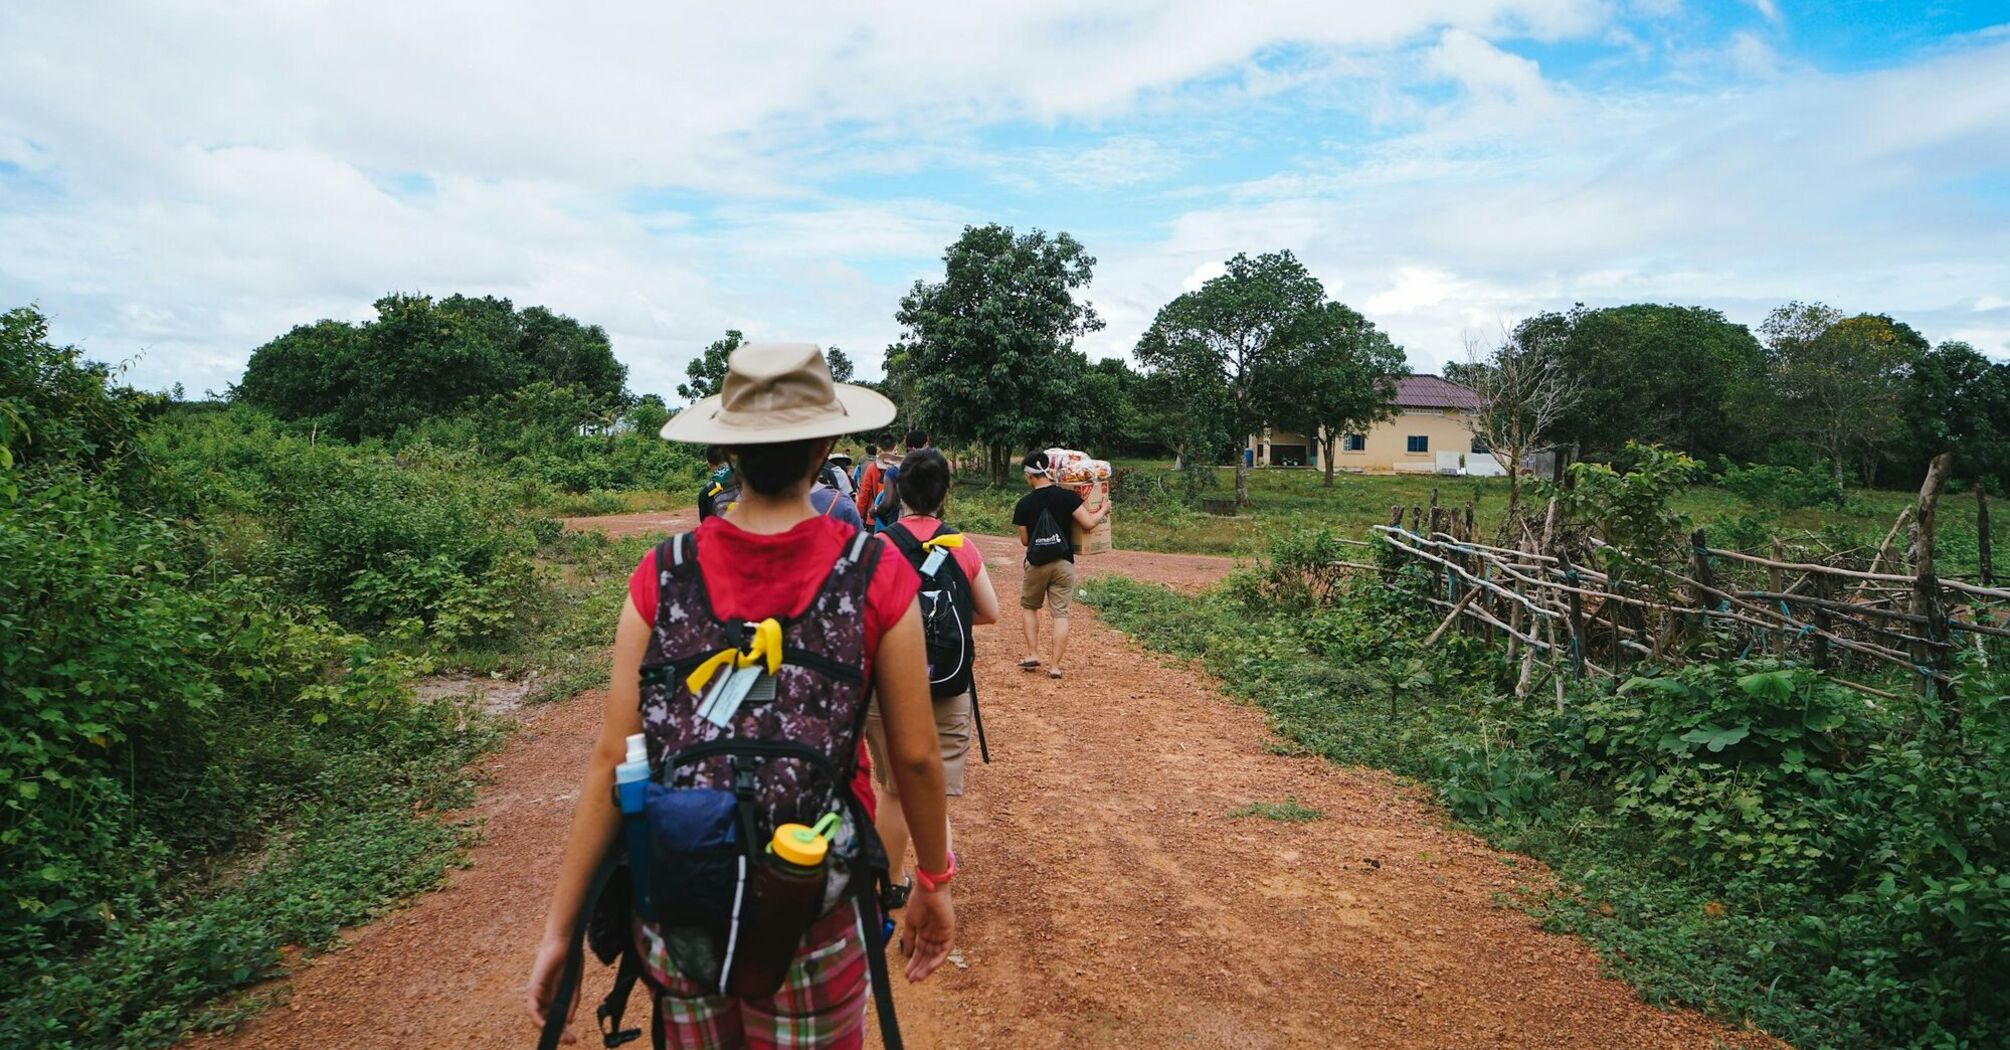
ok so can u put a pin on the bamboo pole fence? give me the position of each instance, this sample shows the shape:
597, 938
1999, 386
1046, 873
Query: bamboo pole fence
1545, 601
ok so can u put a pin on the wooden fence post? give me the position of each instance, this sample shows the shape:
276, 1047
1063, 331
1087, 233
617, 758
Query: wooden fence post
1824, 593
1779, 582
1576, 603
1392, 558
1930, 652
1983, 543
1706, 581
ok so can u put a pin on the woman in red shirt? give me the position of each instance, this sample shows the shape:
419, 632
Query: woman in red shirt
770, 557
923, 485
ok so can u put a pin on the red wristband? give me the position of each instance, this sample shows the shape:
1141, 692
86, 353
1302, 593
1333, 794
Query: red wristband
933, 882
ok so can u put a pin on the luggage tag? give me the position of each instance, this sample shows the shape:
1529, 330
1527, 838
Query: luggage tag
933, 561
720, 709
711, 709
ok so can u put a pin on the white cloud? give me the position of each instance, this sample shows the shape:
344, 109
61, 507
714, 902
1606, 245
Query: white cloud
191, 180
1752, 56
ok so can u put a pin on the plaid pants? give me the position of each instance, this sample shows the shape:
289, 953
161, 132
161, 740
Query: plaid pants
821, 1003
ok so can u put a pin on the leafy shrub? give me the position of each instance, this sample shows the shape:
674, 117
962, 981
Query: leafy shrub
1302, 568
1783, 488
200, 763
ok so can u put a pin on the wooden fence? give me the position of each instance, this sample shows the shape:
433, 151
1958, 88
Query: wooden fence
1547, 602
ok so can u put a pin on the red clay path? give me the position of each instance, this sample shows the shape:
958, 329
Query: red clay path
1107, 898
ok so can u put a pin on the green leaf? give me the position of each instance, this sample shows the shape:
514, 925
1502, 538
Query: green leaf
1716, 738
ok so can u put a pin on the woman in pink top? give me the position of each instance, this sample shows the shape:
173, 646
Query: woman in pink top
923, 485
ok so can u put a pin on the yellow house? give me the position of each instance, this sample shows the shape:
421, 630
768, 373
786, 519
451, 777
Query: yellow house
1429, 434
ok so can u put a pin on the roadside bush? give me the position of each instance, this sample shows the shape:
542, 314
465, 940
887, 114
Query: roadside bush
1783, 488
198, 763
372, 538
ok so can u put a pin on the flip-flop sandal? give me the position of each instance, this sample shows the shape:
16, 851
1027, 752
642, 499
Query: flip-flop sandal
1028, 664
1055, 673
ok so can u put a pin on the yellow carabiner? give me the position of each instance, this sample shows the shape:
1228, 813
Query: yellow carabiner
765, 647
954, 539
701, 675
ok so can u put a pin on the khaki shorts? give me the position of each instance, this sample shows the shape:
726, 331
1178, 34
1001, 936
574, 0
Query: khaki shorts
1053, 582
952, 731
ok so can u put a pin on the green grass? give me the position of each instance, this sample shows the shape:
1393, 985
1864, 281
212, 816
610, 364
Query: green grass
1286, 501
1289, 811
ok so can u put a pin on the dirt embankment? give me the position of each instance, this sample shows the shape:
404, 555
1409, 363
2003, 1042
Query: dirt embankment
1108, 897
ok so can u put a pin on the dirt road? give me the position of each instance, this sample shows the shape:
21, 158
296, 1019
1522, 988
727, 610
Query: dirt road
1108, 896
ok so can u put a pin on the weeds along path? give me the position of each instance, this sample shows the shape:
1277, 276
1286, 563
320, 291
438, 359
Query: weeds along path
1108, 897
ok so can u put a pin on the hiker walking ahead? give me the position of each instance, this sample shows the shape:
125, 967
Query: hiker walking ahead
1044, 517
885, 507
716, 496
741, 670
956, 595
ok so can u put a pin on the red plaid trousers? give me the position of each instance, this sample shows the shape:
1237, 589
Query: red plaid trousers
821, 1003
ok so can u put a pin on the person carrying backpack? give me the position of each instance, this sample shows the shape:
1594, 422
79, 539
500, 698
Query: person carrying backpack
750, 901
831, 503
956, 595
716, 496
837, 473
1045, 518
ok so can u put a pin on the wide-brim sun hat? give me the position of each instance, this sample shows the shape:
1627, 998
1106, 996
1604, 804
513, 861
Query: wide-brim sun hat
777, 392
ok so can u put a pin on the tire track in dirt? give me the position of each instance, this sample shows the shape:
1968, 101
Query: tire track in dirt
1107, 897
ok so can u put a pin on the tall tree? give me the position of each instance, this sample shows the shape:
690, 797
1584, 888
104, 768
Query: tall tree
1840, 379
1524, 389
840, 362
1671, 375
1956, 400
1339, 378
420, 357
706, 373
986, 354
1229, 336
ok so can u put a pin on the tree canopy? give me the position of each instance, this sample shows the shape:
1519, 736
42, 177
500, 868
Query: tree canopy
1227, 344
707, 372
840, 364
421, 358
1681, 376
1339, 377
986, 355
1840, 380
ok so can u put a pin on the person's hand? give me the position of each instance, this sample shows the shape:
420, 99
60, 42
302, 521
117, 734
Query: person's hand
928, 927
545, 970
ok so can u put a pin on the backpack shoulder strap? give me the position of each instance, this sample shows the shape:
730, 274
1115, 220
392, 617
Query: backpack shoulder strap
904, 540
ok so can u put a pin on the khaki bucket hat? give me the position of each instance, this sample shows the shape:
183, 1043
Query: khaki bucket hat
777, 392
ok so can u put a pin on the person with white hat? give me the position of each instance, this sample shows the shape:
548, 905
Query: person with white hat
800, 613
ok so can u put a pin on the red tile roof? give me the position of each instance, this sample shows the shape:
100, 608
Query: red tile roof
1433, 392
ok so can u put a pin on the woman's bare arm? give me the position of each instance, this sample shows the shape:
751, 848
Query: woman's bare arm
900, 678
594, 818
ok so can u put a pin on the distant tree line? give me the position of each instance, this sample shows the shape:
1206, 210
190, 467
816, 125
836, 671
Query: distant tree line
986, 359
1857, 398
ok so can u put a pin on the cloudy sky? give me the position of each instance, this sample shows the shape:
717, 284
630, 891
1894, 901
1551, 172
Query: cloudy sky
181, 180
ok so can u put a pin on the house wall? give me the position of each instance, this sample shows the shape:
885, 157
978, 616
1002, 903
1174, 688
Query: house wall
1387, 450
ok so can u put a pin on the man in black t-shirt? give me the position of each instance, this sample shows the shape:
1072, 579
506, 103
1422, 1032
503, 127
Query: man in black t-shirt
1046, 518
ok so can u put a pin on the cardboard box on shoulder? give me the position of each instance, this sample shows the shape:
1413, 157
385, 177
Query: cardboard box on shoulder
1090, 479
1095, 494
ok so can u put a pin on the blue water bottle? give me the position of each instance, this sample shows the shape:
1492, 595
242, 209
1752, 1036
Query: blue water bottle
631, 791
